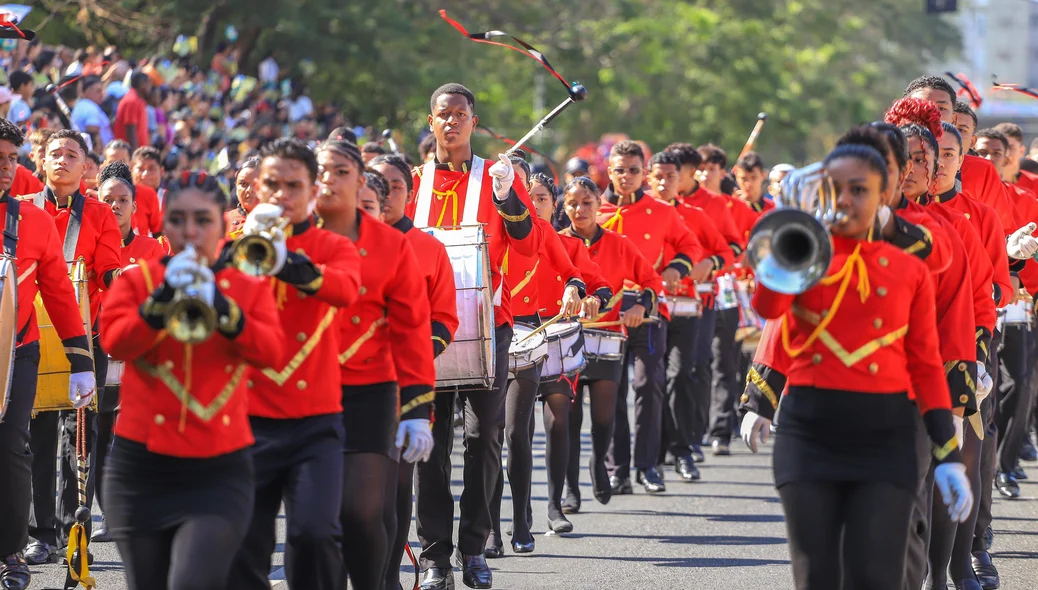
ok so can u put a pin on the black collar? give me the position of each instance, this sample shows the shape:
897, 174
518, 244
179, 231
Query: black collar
903, 203
946, 196
599, 232
3, 198
299, 228
74, 200
404, 224
129, 241
757, 206
610, 195
465, 166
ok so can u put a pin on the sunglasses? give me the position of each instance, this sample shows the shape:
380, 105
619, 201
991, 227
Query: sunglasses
633, 170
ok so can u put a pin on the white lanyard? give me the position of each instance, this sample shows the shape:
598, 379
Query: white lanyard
472, 193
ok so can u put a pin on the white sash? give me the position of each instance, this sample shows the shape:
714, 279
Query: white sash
473, 194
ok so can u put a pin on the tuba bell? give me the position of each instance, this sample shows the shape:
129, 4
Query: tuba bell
190, 319
254, 253
790, 248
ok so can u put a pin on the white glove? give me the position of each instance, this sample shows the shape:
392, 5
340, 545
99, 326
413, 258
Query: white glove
182, 268
755, 427
262, 217
955, 490
81, 388
277, 236
503, 175
417, 436
1021, 245
884, 214
187, 273
957, 421
984, 383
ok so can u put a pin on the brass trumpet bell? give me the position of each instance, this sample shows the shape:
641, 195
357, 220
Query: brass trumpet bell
254, 255
189, 319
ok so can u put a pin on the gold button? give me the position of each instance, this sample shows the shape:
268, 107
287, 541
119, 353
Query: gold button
648, 211
962, 367
249, 384
745, 399
558, 277
363, 252
300, 294
355, 319
228, 368
816, 358
301, 384
363, 290
559, 302
647, 236
160, 419
226, 420
967, 215
132, 260
882, 291
19, 218
300, 251
964, 398
883, 261
526, 299
168, 364
301, 336
877, 323
225, 284
873, 368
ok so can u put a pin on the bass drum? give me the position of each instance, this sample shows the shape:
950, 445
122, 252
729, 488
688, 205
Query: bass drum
8, 330
52, 384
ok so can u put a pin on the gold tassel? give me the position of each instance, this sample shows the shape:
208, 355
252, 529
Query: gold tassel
188, 358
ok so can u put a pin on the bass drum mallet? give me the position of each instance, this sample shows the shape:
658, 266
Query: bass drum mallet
577, 93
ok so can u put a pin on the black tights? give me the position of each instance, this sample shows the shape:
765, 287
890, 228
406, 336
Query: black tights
856, 532
603, 412
556, 428
399, 526
364, 539
196, 555
519, 404
951, 542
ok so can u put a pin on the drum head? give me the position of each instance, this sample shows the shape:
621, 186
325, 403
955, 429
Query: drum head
521, 331
561, 330
8, 329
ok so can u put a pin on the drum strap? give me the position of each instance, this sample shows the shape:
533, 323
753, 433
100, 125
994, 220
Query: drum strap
75, 223
11, 228
472, 193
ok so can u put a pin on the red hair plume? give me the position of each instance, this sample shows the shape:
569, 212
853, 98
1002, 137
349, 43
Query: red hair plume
909, 110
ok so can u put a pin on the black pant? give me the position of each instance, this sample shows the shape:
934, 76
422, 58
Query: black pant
917, 551
989, 448
850, 531
54, 434
520, 400
102, 446
688, 392
646, 347
297, 461
1016, 393
726, 387
484, 425
15, 458
194, 556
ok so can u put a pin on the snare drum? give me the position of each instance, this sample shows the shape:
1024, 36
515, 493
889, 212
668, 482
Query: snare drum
683, 306
525, 351
1020, 314
469, 360
604, 345
565, 350
727, 295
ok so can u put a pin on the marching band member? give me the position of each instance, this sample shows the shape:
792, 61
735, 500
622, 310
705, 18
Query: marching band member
372, 197
179, 482
116, 189
386, 364
856, 480
443, 186
295, 406
687, 406
147, 173
36, 249
245, 189
622, 264
90, 232
651, 226
749, 174
439, 281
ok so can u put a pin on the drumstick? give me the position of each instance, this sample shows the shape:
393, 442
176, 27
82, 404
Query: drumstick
543, 327
761, 118
592, 325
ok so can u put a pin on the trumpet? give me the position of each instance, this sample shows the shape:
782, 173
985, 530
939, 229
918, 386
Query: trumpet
190, 319
254, 253
790, 248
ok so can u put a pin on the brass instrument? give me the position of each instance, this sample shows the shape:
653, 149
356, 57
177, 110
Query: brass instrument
790, 248
254, 253
190, 319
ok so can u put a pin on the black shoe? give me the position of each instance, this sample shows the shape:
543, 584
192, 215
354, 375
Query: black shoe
523, 546
985, 570
38, 553
599, 483
560, 525
697, 453
1028, 452
620, 487
720, 448
494, 548
1018, 473
475, 572
571, 505
968, 584
989, 538
14, 572
651, 480
1007, 486
100, 534
437, 578
686, 469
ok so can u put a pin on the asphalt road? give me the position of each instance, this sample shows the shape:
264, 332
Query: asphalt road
726, 531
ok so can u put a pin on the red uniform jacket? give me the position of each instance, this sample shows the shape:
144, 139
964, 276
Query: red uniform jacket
25, 182
385, 335
235, 219
744, 217
100, 241
142, 248
40, 268
713, 243
435, 265
716, 207
509, 225
1025, 180
1025, 202
307, 383
985, 221
981, 182
188, 400
148, 218
552, 286
623, 266
652, 226
522, 273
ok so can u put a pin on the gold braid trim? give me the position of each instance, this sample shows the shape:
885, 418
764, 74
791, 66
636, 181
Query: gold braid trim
282, 376
425, 398
940, 453
441, 341
755, 378
514, 218
352, 350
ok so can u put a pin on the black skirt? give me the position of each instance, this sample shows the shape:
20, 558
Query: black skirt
150, 493
846, 436
370, 414
602, 370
